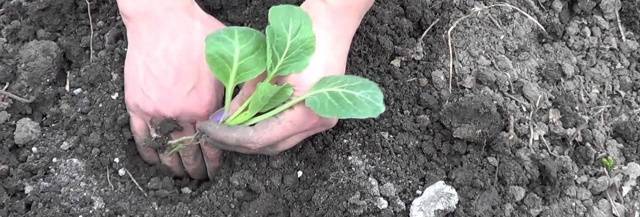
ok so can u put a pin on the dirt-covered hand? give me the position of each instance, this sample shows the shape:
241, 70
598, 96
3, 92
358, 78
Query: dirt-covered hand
166, 76
335, 23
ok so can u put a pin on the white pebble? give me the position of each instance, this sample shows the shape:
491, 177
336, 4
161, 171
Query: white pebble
299, 173
34, 149
121, 172
54, 160
77, 91
117, 160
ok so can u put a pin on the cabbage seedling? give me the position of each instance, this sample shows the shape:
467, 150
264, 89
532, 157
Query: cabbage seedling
236, 55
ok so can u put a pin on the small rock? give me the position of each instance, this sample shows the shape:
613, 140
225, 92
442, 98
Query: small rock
504, 63
388, 190
534, 204
4, 171
532, 92
396, 62
122, 172
423, 82
26, 131
437, 199
493, 161
609, 8
155, 183
186, 190
599, 185
381, 203
568, 69
483, 61
438, 79
517, 192
629, 46
632, 170
374, 188
66, 145
4, 116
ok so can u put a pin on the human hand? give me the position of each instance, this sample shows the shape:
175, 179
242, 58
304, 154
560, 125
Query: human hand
166, 76
335, 23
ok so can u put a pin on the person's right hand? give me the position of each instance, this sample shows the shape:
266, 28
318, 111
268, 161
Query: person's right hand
334, 23
166, 76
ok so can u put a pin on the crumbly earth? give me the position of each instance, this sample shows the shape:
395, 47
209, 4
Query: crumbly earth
522, 132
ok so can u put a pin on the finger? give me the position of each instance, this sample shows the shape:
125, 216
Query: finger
212, 158
252, 140
296, 139
191, 155
140, 131
245, 92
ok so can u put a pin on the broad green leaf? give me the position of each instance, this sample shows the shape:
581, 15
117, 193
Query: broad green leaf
236, 54
290, 40
266, 97
345, 96
279, 98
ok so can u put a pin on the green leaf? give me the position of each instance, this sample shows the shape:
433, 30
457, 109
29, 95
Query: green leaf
236, 54
345, 96
266, 97
290, 40
279, 98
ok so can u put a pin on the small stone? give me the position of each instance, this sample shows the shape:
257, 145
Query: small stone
77, 91
186, 190
116, 160
4, 171
599, 185
504, 63
423, 82
436, 200
388, 190
493, 161
155, 183
483, 61
396, 62
438, 79
65, 145
631, 169
374, 188
4, 116
26, 131
517, 192
34, 149
532, 92
299, 173
568, 70
381, 203
28, 188
629, 46
122, 172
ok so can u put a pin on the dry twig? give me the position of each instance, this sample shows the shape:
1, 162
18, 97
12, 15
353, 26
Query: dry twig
624, 38
136, 182
109, 179
91, 29
16, 97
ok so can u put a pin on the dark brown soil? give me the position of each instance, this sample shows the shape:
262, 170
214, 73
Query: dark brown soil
522, 133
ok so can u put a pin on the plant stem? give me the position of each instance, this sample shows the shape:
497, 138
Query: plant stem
228, 94
242, 107
277, 110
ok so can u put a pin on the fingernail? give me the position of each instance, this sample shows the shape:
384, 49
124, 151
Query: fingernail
217, 116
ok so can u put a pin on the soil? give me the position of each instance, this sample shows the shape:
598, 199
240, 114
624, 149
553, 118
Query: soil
522, 133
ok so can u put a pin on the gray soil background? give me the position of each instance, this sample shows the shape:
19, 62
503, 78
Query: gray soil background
523, 132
